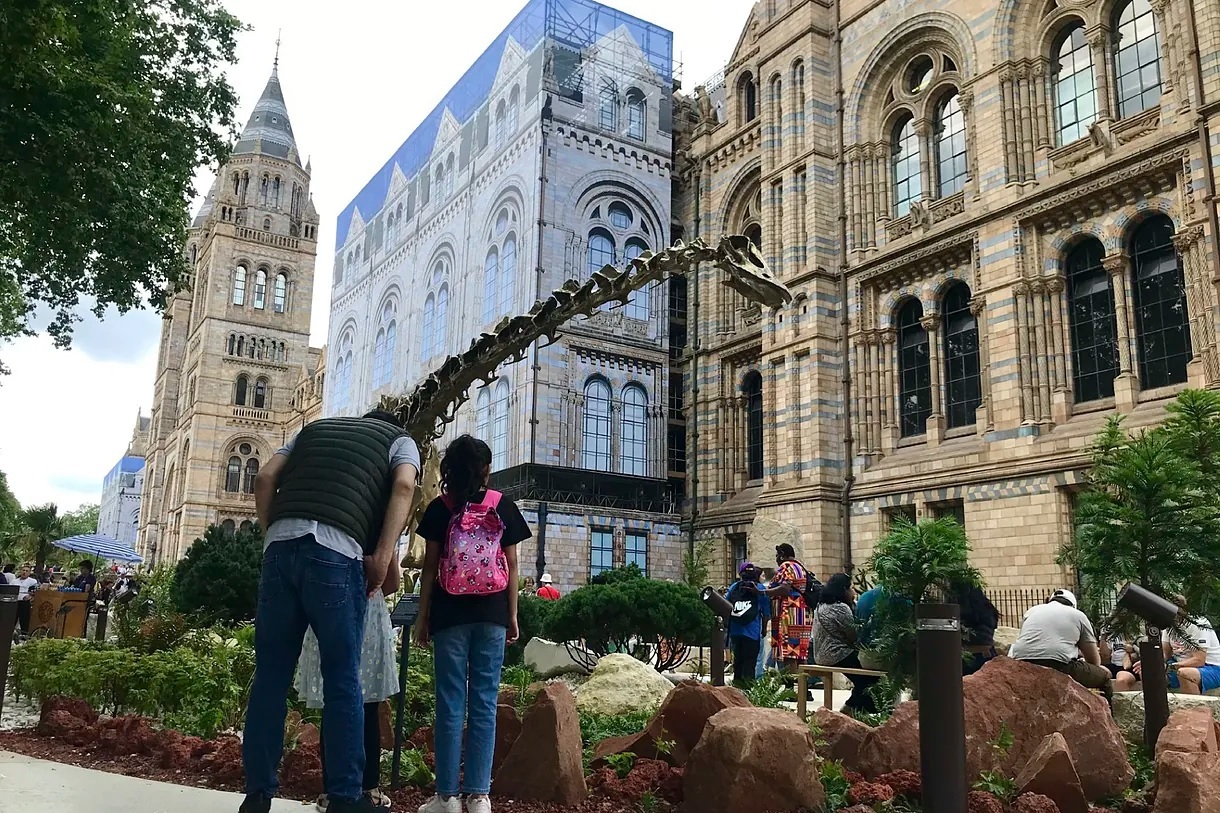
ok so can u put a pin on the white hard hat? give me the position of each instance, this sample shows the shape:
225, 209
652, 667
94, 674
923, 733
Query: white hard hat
546, 578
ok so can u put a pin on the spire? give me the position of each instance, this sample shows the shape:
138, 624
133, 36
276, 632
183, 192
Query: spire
269, 130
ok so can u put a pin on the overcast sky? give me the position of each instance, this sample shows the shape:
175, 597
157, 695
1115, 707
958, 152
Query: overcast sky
357, 77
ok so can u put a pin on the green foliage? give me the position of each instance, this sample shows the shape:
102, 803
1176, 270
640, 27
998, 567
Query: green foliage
519, 678
81, 521
414, 767
1145, 769
10, 515
1152, 513
532, 615
595, 727
217, 581
621, 764
996, 782
630, 610
769, 691
649, 803
835, 785
696, 564
110, 107
420, 699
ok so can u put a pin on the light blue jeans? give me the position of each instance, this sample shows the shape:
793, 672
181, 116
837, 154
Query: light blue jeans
467, 660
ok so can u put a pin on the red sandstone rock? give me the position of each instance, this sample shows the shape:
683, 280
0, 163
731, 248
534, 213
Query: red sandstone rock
760, 760
1190, 730
545, 763
839, 736
982, 802
1051, 773
870, 793
127, 735
1187, 783
309, 735
423, 739
904, 783
1034, 803
224, 762
60, 723
1034, 702
646, 776
508, 728
302, 770
73, 706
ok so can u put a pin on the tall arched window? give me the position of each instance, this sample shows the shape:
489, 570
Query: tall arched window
499, 427
342, 377
508, 274
747, 98
262, 191
1075, 92
914, 370
961, 337
429, 326
482, 415
251, 474
260, 393
232, 344
1092, 322
1162, 326
281, 292
383, 345
637, 115
798, 81
908, 185
950, 146
491, 282
439, 325
751, 388
514, 109
637, 303
500, 124
450, 172
239, 285
275, 192
260, 289
233, 475
608, 109
243, 384
601, 250
1137, 58
777, 105
633, 457
595, 449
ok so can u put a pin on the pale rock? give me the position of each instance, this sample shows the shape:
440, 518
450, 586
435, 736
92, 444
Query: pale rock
765, 534
549, 659
622, 685
1129, 711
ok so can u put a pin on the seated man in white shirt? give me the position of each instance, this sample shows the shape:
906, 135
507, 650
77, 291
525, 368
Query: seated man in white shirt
1058, 636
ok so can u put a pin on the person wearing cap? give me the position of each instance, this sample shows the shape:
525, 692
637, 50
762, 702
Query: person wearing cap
1058, 636
547, 590
747, 622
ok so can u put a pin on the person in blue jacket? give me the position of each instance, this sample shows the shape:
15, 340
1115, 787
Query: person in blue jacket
747, 622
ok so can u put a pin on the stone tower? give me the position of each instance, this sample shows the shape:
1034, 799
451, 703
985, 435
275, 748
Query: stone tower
233, 343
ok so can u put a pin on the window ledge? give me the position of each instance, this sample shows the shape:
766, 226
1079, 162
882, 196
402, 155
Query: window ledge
923, 215
1100, 405
1162, 393
912, 440
968, 431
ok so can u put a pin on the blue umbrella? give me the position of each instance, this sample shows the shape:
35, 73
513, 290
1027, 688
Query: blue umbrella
101, 546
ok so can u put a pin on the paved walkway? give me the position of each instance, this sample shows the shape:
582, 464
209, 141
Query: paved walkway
28, 784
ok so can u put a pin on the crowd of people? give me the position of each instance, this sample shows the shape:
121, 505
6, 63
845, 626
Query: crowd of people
114, 584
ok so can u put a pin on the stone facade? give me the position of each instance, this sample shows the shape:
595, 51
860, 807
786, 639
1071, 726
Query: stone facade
550, 158
995, 219
118, 513
235, 345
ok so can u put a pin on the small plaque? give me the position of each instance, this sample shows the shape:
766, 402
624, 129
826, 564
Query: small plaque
405, 611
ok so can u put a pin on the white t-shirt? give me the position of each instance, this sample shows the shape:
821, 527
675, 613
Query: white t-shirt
26, 584
1200, 635
1052, 632
1118, 651
10, 578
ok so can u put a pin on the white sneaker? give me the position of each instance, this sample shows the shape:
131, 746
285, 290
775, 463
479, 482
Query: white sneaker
478, 804
438, 805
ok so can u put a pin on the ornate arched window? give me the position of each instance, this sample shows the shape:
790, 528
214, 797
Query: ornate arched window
429, 326
260, 289
1162, 325
798, 82
508, 273
608, 106
499, 427
384, 345
343, 374
440, 323
595, 448
281, 292
491, 282
229, 527
260, 393
262, 191
963, 391
637, 303
637, 115
914, 370
633, 454
243, 385
233, 475
275, 192
239, 285
908, 185
1137, 58
1075, 91
482, 415
747, 98
601, 250
501, 124
777, 107
514, 109
1092, 323
751, 388
251, 474
620, 215
450, 172
950, 145
232, 343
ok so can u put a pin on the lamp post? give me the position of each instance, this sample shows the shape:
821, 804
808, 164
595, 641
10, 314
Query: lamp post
942, 716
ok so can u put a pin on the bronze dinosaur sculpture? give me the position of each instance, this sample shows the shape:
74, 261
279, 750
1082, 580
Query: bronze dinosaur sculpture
432, 405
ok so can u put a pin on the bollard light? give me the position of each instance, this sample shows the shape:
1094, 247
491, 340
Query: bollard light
942, 716
9, 595
405, 614
1159, 614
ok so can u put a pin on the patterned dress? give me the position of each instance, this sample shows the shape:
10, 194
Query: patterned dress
792, 623
378, 660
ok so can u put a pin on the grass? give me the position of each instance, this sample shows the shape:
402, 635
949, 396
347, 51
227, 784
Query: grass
595, 728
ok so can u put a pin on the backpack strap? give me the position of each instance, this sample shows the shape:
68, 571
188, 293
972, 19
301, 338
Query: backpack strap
492, 499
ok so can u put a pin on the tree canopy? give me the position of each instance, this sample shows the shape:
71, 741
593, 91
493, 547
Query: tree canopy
109, 108
217, 580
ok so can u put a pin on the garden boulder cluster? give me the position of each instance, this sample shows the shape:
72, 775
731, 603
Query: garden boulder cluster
1188, 763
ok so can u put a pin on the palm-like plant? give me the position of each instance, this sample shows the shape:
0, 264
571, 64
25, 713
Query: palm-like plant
42, 525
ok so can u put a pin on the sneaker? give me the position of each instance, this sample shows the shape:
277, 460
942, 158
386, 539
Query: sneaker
322, 803
379, 798
478, 804
438, 805
255, 803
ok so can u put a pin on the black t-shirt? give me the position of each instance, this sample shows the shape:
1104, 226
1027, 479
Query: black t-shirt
452, 611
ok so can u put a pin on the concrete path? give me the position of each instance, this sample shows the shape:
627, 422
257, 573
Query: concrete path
28, 784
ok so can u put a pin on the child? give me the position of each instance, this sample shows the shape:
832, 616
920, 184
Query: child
469, 612
751, 608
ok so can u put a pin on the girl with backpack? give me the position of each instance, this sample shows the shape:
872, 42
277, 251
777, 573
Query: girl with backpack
469, 613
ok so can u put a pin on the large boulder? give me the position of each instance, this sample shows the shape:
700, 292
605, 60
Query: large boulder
508, 729
838, 736
549, 659
71, 706
1033, 702
1188, 764
760, 760
1129, 711
679, 723
544, 764
622, 685
1050, 772
1004, 638
1189, 731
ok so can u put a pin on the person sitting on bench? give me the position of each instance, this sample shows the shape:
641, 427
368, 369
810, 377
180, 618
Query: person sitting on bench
834, 639
1058, 636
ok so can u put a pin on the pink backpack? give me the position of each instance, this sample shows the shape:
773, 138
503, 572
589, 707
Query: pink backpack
473, 562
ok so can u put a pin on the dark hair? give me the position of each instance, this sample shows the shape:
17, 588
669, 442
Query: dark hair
9, 568
835, 590
383, 415
86, 565
785, 550
462, 467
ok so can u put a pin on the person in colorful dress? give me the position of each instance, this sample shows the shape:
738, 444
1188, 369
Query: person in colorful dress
791, 619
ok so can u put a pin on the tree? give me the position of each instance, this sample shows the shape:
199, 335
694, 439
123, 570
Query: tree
217, 581
41, 526
10, 515
109, 108
81, 521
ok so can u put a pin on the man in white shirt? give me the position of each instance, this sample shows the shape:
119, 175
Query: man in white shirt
1058, 636
1194, 657
25, 598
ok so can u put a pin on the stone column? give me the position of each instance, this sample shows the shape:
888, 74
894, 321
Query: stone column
978, 309
876, 408
923, 131
771, 406
859, 360
577, 430
1042, 112
1099, 39
1126, 385
1042, 341
889, 439
936, 421
1024, 96
965, 100
1024, 329
1008, 105
869, 213
1204, 367
1061, 399
883, 210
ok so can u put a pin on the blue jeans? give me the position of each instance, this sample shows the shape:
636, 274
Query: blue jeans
468, 660
304, 585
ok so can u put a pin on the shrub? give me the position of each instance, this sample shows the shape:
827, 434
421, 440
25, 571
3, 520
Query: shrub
218, 578
632, 614
532, 614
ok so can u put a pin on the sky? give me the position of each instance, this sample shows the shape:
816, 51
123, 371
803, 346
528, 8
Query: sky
357, 78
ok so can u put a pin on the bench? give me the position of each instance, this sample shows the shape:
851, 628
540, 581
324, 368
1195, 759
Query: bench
827, 674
